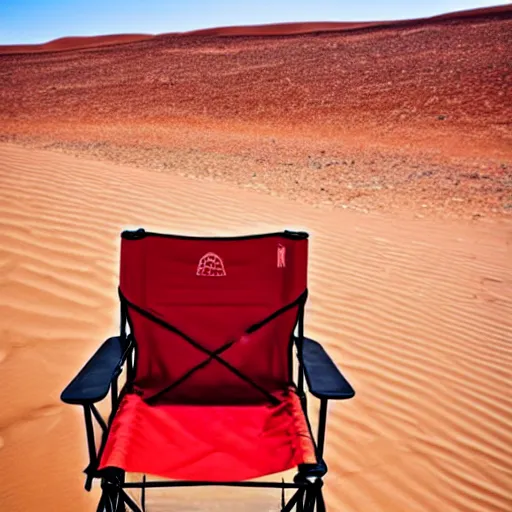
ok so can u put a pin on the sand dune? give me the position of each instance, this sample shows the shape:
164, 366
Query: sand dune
417, 313
286, 29
414, 115
273, 29
74, 43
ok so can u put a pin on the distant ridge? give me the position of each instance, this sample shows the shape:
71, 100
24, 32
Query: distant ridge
269, 30
75, 43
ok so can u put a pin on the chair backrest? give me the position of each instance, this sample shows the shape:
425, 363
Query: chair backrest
213, 318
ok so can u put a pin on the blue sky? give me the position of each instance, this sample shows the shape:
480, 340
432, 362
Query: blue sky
37, 21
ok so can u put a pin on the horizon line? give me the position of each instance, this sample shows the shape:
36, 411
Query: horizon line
322, 26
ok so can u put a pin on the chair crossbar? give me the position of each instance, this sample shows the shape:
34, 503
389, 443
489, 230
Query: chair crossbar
212, 355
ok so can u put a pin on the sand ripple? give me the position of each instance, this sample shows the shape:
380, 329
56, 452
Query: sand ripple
418, 314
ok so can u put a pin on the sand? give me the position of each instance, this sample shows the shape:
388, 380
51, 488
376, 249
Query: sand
389, 142
417, 313
406, 115
63, 44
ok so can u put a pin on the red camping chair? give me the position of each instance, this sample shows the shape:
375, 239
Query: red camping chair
208, 331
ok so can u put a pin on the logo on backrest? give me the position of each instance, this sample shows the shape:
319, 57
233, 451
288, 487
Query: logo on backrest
210, 265
281, 256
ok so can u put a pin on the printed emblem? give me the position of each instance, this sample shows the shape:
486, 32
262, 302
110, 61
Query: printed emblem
281, 256
210, 265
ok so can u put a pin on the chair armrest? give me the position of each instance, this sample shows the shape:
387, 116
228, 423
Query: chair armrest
322, 376
93, 381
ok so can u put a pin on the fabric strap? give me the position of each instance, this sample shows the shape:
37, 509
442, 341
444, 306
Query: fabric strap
212, 355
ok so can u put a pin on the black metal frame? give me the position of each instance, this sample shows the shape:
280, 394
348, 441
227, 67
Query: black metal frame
101, 374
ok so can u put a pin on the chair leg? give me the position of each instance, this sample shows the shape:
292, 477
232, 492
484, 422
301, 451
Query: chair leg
143, 494
111, 500
309, 501
101, 504
120, 502
293, 502
300, 502
314, 499
320, 503
112, 496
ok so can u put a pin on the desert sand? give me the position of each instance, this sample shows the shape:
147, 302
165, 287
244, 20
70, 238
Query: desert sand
406, 115
389, 143
418, 314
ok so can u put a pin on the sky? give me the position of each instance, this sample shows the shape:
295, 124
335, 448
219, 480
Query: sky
39, 21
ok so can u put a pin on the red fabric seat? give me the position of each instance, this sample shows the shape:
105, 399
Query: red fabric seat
213, 396
198, 442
